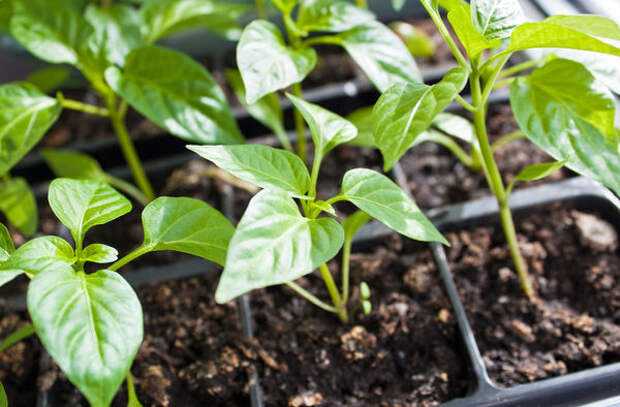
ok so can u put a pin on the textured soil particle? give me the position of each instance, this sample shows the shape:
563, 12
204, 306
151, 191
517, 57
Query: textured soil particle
574, 325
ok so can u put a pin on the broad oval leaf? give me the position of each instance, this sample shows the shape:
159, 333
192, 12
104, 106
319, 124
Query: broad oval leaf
265, 166
584, 32
605, 68
328, 129
49, 79
25, 116
406, 110
37, 255
90, 324
382, 199
267, 64
455, 126
186, 225
99, 253
53, 34
538, 171
382, 56
177, 93
362, 120
71, 164
473, 41
82, 204
274, 244
19, 205
331, 15
162, 18
6, 243
496, 19
557, 128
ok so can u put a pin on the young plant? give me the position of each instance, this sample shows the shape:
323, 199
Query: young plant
112, 46
91, 323
560, 106
267, 63
276, 243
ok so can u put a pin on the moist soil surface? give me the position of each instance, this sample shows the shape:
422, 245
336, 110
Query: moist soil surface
574, 265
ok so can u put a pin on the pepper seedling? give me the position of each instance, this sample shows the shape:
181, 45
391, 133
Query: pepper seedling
112, 46
92, 323
560, 106
276, 243
267, 63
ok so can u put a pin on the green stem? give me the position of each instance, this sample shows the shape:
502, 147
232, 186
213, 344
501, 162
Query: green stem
450, 144
521, 67
129, 150
300, 127
16, 336
82, 107
508, 138
445, 33
493, 77
506, 82
311, 297
336, 198
131, 392
323, 39
464, 103
127, 188
494, 179
142, 250
334, 294
316, 165
346, 255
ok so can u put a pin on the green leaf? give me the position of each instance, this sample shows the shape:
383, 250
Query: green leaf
186, 225
605, 68
380, 54
6, 243
4, 402
535, 172
48, 79
274, 244
417, 41
70, 164
558, 121
407, 109
37, 255
495, 19
19, 205
267, 64
162, 18
585, 32
90, 324
328, 129
53, 34
398, 4
6, 11
117, 31
455, 126
353, 223
99, 253
266, 110
25, 116
382, 199
473, 41
362, 120
82, 204
177, 93
331, 15
265, 166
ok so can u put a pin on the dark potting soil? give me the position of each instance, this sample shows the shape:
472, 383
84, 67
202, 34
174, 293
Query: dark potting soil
404, 353
19, 364
437, 178
575, 268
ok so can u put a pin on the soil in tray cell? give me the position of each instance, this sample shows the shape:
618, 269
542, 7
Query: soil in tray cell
575, 268
404, 353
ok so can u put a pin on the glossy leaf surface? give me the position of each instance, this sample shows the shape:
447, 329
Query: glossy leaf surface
274, 244
382, 199
496, 19
90, 324
265, 166
186, 225
6, 243
267, 64
331, 15
99, 253
177, 93
473, 40
70, 164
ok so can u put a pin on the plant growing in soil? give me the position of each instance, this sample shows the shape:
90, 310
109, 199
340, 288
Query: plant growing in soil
267, 63
560, 106
91, 322
112, 46
276, 243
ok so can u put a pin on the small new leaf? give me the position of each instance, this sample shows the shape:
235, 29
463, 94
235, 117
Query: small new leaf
274, 244
382, 199
265, 166
473, 41
99, 253
495, 19
90, 324
186, 225
70, 164
6, 243
82, 204
353, 223
19, 205
267, 64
